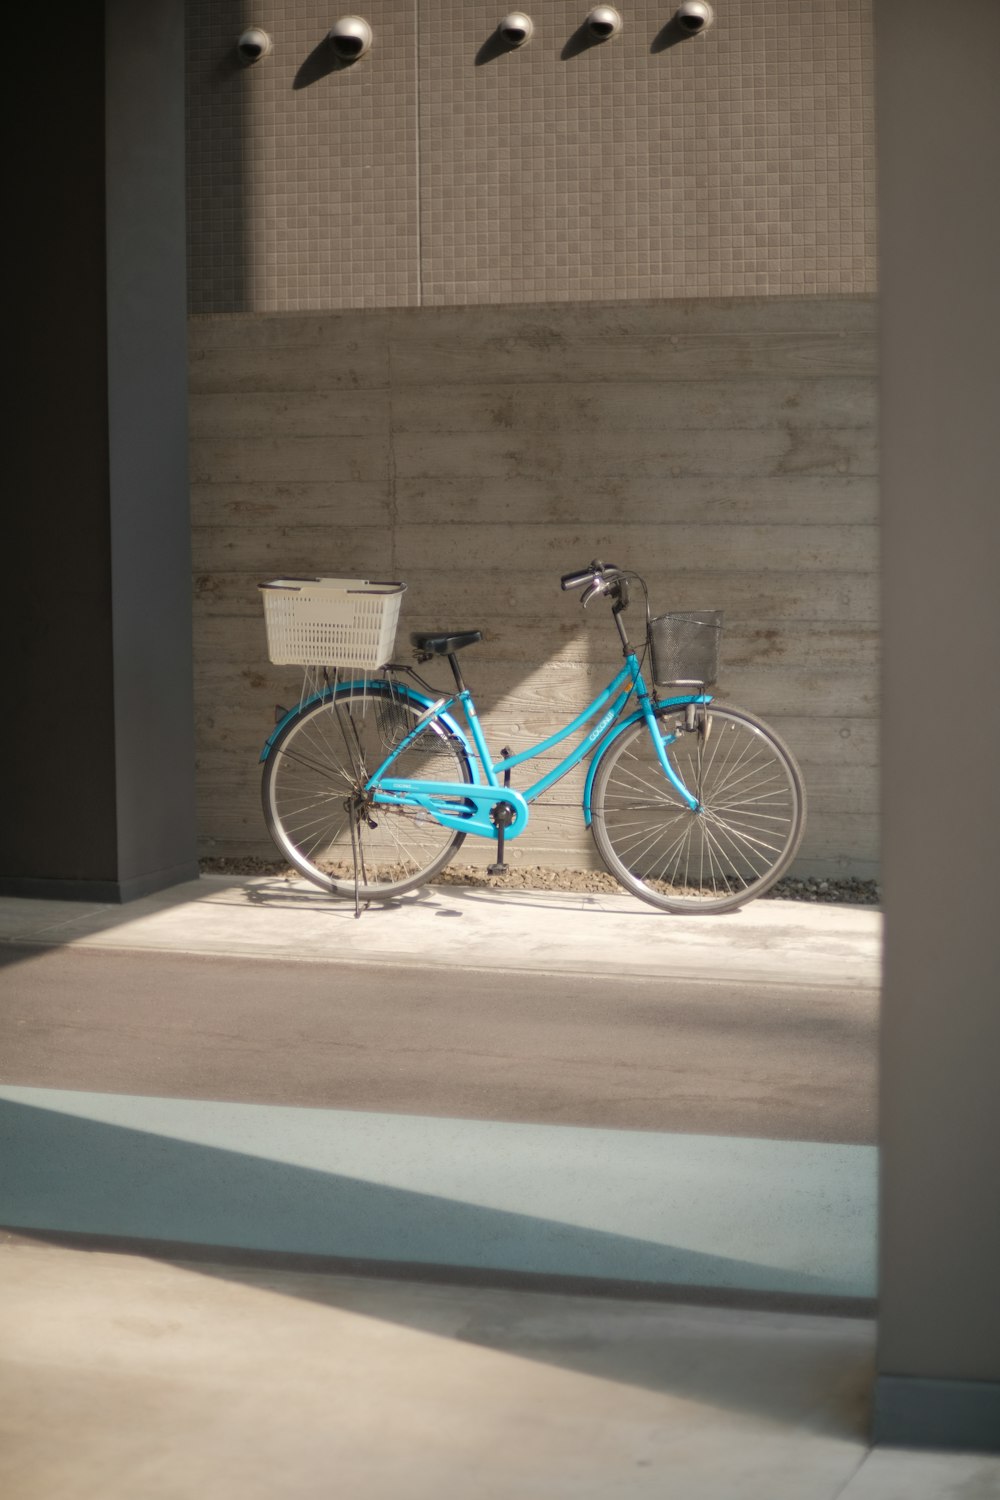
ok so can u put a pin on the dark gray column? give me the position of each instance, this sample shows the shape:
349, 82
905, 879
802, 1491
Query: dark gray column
938, 1380
101, 770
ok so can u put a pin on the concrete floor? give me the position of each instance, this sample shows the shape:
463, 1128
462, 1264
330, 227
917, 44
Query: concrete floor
541, 1083
639, 1052
128, 1378
516, 932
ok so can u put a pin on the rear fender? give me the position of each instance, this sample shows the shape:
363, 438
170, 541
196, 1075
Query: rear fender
344, 689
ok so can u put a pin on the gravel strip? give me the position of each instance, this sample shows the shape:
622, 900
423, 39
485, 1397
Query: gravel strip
850, 890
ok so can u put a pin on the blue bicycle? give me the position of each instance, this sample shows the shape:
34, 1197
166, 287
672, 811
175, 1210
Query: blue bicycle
370, 786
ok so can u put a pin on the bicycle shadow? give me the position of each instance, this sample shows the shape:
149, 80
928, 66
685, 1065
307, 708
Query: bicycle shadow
286, 896
618, 904
446, 901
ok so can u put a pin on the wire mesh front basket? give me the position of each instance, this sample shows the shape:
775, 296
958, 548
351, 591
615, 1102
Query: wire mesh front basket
323, 622
684, 647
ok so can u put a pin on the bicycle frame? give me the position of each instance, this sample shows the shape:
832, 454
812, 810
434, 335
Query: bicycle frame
354, 776
467, 807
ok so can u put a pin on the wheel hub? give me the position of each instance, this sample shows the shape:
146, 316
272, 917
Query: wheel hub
358, 806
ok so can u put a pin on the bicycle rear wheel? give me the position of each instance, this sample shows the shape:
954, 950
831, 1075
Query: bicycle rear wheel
315, 810
743, 836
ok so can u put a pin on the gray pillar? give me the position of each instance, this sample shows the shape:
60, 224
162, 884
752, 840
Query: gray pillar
101, 669
938, 1380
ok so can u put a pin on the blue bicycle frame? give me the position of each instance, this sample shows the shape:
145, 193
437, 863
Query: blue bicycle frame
467, 806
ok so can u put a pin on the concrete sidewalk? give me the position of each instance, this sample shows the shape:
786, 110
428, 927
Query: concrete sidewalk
131, 1378
136, 1378
550, 932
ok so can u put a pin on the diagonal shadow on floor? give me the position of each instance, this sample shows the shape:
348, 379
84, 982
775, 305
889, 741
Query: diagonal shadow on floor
63, 1173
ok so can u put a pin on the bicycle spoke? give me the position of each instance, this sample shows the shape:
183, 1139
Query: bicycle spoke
745, 829
749, 845
318, 810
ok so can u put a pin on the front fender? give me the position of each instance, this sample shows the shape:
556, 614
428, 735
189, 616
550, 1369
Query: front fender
612, 734
344, 689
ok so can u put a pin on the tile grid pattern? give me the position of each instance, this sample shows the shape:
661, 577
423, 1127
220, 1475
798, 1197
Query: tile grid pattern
441, 171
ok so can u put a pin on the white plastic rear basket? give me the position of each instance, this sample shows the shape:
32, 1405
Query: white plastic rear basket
331, 622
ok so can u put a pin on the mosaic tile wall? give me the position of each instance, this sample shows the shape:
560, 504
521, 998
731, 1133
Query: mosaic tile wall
441, 170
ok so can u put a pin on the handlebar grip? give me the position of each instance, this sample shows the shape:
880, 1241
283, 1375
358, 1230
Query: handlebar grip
578, 579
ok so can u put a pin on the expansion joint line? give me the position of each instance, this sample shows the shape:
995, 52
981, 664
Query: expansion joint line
391, 462
417, 163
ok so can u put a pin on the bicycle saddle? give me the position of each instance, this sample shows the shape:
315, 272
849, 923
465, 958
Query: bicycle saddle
444, 645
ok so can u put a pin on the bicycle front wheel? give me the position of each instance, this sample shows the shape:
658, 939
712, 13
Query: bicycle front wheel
743, 836
314, 802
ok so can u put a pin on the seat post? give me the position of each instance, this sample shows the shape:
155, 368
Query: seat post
456, 669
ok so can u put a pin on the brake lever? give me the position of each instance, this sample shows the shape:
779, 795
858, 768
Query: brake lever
591, 592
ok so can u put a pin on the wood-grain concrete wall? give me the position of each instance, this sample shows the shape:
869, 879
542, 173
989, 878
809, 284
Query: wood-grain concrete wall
726, 449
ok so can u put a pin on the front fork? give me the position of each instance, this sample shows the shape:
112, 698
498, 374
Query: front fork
696, 721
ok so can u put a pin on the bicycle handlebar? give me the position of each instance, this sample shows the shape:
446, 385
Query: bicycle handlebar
603, 578
579, 577
598, 574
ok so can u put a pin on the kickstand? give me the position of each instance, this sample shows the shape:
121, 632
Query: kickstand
358, 855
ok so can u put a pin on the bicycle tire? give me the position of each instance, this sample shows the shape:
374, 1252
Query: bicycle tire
310, 791
734, 848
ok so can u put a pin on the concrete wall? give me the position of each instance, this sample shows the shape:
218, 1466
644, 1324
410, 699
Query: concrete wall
495, 320
440, 171
100, 649
63, 514
939, 1332
727, 449
148, 444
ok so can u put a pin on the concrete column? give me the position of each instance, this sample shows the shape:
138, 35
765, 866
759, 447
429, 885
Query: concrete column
938, 1381
99, 567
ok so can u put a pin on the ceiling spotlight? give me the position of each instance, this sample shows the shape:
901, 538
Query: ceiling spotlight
350, 38
253, 45
516, 29
603, 22
694, 16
